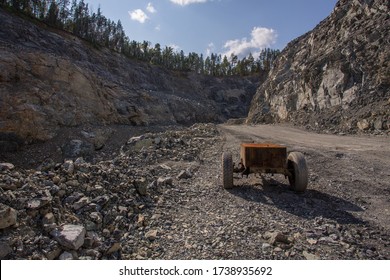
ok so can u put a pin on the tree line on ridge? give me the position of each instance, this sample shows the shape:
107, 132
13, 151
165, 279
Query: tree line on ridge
76, 18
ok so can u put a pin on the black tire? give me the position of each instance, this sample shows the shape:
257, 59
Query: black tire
227, 170
299, 178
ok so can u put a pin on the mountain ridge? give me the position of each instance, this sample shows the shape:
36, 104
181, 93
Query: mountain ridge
334, 77
51, 79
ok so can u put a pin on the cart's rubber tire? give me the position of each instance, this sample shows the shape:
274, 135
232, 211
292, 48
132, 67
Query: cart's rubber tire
227, 170
299, 178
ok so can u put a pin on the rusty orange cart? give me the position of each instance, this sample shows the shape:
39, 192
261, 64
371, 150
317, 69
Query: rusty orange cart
266, 158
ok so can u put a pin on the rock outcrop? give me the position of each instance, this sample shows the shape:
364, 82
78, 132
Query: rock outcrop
335, 77
50, 79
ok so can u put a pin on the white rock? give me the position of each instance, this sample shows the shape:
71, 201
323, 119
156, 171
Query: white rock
164, 181
96, 217
135, 139
166, 167
66, 256
266, 247
38, 203
309, 256
151, 235
6, 166
68, 166
81, 203
312, 241
363, 124
275, 237
48, 219
185, 174
70, 236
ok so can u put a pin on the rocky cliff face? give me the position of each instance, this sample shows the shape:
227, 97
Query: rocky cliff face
50, 79
335, 77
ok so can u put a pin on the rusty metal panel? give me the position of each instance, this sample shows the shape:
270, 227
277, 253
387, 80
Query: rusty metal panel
264, 156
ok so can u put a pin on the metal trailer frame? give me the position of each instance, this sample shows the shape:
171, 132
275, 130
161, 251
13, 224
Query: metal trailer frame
266, 158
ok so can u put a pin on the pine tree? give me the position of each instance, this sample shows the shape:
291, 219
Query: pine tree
52, 17
63, 11
74, 16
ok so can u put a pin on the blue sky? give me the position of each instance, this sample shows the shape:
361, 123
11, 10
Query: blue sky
219, 26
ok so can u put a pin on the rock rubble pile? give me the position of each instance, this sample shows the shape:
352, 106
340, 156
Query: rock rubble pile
79, 210
160, 197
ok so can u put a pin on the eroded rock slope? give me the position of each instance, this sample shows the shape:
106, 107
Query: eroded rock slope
335, 77
50, 79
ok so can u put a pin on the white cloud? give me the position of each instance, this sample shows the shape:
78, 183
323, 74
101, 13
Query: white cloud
187, 2
261, 38
158, 28
138, 15
150, 8
210, 49
175, 47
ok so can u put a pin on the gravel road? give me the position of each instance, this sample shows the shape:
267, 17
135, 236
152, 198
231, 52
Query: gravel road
344, 214
160, 197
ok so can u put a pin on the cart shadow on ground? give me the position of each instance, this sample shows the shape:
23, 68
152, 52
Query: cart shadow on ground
308, 205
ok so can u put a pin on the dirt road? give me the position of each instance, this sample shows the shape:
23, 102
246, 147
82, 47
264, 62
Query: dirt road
161, 197
344, 214
348, 167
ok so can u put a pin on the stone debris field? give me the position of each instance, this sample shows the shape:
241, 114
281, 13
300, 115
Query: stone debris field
160, 197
